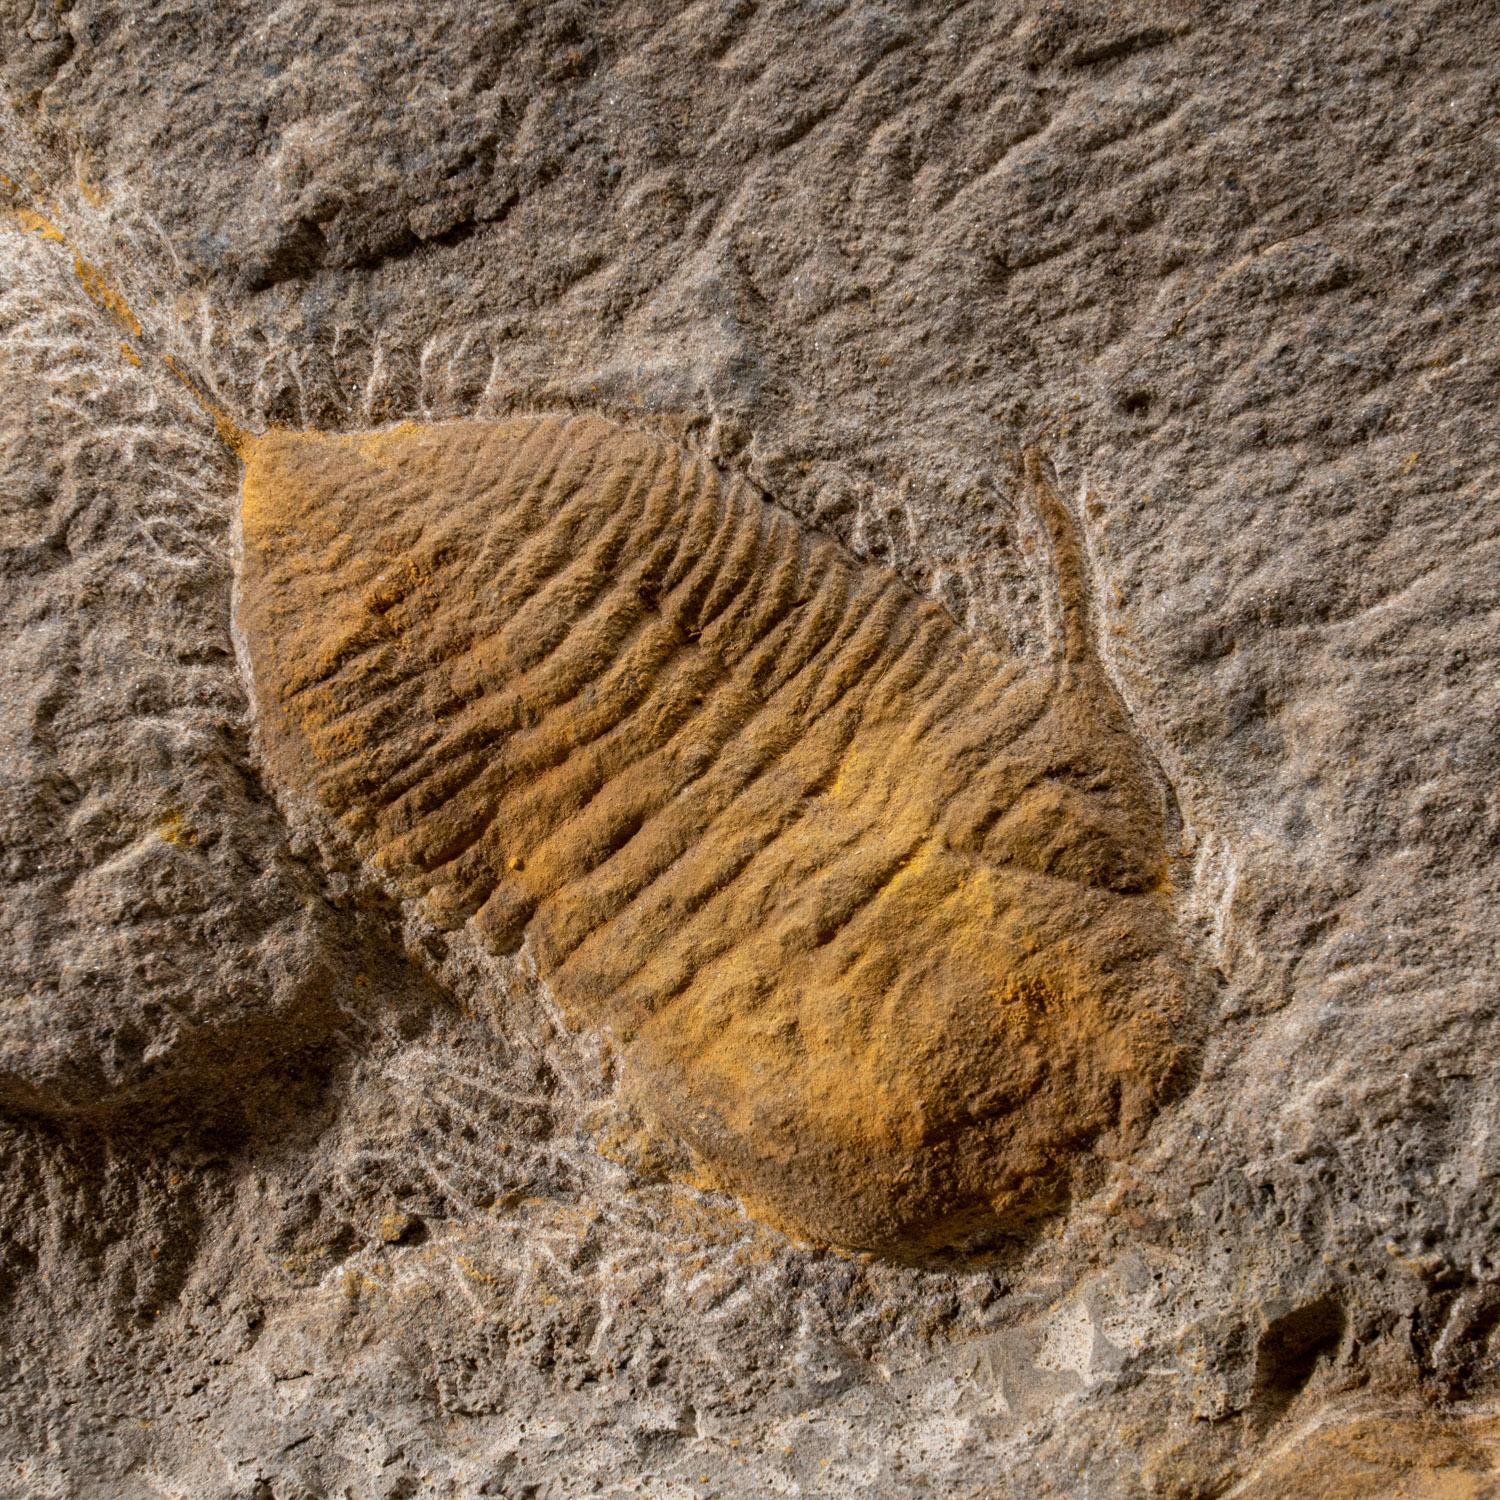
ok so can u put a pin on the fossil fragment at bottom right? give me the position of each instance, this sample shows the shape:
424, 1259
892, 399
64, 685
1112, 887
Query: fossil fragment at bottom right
880, 922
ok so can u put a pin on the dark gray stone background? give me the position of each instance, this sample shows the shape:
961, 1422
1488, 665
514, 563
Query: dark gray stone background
297, 1201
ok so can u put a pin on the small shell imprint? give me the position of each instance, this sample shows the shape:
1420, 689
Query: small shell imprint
878, 920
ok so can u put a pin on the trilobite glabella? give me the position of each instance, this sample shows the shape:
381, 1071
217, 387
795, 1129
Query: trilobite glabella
878, 919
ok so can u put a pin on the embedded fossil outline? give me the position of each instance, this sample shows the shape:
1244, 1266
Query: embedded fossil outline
879, 920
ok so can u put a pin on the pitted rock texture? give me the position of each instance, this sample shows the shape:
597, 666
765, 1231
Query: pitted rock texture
1230, 266
880, 921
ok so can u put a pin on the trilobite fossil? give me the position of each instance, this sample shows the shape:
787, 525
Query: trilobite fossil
878, 920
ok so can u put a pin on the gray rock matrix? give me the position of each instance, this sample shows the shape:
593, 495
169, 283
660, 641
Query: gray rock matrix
299, 1198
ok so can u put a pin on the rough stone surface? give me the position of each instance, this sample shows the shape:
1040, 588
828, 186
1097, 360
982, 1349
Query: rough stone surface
300, 1197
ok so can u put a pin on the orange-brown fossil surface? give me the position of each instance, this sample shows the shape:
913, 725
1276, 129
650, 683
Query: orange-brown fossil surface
879, 920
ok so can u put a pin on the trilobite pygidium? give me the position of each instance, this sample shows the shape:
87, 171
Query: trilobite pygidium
878, 920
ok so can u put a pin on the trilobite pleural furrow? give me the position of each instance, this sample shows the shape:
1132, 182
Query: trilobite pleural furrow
877, 919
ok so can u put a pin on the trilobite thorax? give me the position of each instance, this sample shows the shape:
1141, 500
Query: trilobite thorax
876, 917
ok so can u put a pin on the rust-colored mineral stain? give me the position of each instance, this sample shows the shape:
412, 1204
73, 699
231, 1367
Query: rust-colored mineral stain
878, 919
107, 297
35, 223
1389, 1455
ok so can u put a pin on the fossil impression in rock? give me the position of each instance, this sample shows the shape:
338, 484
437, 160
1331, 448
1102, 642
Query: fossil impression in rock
879, 921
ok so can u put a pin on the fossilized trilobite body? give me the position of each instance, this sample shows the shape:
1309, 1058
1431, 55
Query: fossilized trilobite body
877, 919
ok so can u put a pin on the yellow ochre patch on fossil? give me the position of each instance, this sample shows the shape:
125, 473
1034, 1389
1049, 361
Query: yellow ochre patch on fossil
878, 919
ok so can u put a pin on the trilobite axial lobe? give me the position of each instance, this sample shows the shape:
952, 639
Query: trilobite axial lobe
877, 919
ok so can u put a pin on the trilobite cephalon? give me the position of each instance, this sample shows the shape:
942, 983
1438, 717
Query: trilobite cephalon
878, 920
